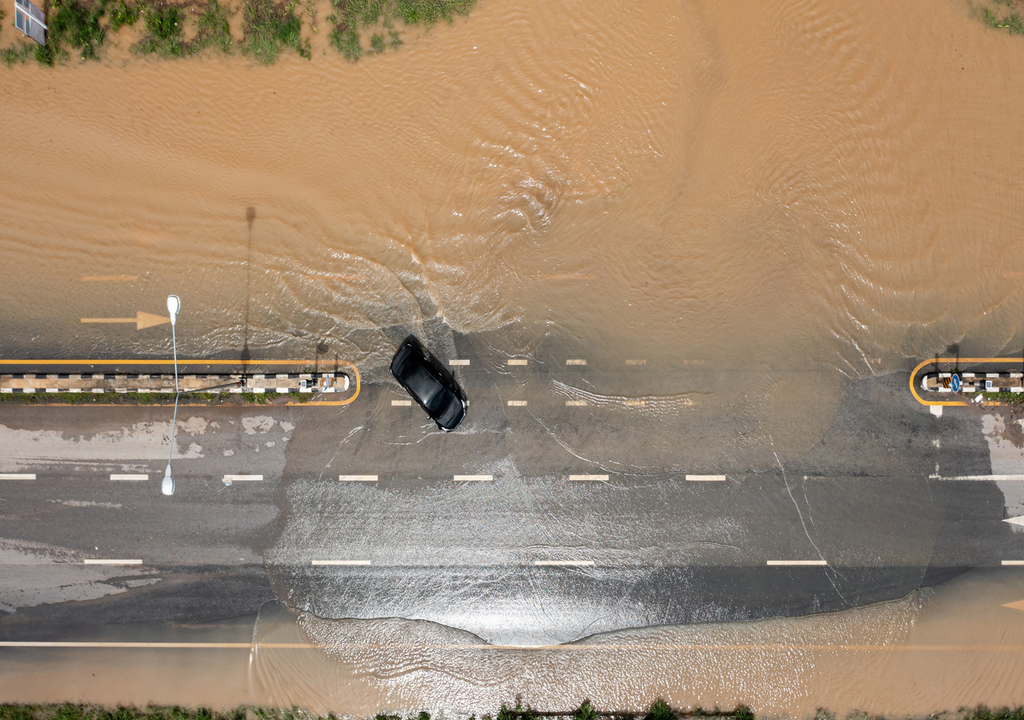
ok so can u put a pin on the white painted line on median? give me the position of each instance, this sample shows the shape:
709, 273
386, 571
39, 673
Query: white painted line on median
517, 403
342, 562
516, 361
357, 478
705, 478
129, 477
797, 563
989, 478
575, 403
459, 362
564, 563
110, 561
17, 476
242, 478
474, 478
588, 478
1013, 562
576, 361
401, 403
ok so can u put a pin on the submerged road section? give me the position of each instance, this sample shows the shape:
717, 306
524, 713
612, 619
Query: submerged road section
516, 528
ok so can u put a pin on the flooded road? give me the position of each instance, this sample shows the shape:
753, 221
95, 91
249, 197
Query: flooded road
959, 644
797, 193
749, 208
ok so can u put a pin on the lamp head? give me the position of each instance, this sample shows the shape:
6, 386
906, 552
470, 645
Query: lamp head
167, 486
173, 306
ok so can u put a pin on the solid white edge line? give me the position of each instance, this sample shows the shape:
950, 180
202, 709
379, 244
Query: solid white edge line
563, 563
401, 403
586, 478
357, 478
243, 478
341, 562
110, 561
474, 478
129, 477
988, 478
17, 476
798, 563
705, 478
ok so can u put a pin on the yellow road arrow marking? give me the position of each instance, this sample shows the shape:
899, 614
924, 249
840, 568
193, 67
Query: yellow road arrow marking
142, 320
1019, 605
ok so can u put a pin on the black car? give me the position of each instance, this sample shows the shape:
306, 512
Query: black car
429, 383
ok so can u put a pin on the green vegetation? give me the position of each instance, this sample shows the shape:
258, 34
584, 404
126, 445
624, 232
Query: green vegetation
1006, 398
213, 30
122, 14
380, 15
164, 30
16, 54
1001, 15
77, 26
270, 27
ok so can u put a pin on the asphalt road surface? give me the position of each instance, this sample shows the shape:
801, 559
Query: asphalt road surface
546, 518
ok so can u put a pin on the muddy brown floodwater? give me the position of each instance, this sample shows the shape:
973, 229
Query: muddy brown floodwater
802, 192
821, 186
961, 643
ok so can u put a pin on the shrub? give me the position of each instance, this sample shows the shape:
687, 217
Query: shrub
660, 711
72, 24
122, 14
268, 28
164, 33
213, 29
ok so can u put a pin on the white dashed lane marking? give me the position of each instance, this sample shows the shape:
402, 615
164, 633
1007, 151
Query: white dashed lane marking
588, 478
705, 478
517, 403
474, 478
401, 403
458, 362
797, 563
357, 478
575, 403
17, 476
516, 361
243, 478
342, 562
129, 477
576, 361
563, 563
110, 561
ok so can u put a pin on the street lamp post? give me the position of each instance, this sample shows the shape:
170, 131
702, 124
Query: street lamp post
173, 306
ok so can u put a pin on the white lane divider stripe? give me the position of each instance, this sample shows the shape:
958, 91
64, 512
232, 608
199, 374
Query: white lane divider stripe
517, 361
797, 563
474, 478
459, 362
576, 361
1013, 562
243, 478
705, 478
401, 403
517, 403
342, 562
563, 563
357, 478
17, 476
575, 403
129, 477
989, 478
110, 561
588, 478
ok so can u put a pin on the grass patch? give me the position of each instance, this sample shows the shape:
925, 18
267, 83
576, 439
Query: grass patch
122, 14
1001, 15
164, 33
213, 30
77, 26
352, 15
269, 27
16, 54
1006, 398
